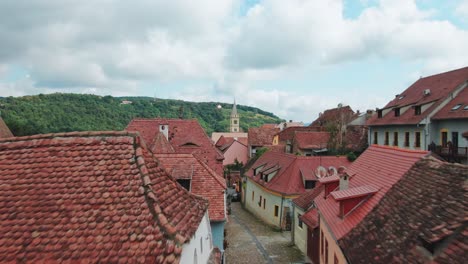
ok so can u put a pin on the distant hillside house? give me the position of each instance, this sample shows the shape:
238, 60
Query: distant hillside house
277, 178
178, 136
432, 111
95, 197
4, 130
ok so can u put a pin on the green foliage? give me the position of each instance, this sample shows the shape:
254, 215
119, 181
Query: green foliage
51, 113
260, 152
351, 156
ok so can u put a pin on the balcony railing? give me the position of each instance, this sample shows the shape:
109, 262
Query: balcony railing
450, 153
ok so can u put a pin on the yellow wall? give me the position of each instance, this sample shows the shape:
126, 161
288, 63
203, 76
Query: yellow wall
333, 248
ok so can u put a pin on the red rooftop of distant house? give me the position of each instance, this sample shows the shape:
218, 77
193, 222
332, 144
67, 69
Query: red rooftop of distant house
288, 133
455, 109
224, 143
90, 197
185, 136
288, 179
311, 218
262, 136
204, 181
432, 89
341, 114
311, 140
428, 205
4, 130
379, 166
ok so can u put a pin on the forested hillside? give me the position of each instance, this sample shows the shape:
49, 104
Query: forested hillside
50, 113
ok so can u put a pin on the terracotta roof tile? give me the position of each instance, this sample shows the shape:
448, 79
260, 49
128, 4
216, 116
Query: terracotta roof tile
204, 181
288, 133
288, 179
311, 218
262, 136
440, 87
185, 136
90, 196
379, 166
305, 200
4, 130
427, 206
354, 192
311, 140
340, 114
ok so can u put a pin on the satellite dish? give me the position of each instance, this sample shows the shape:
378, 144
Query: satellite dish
320, 172
332, 171
341, 169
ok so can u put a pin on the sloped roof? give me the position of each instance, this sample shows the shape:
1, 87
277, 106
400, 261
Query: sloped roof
311, 218
4, 130
185, 136
461, 113
224, 143
288, 133
288, 180
90, 196
428, 204
204, 181
262, 136
380, 166
311, 140
216, 135
162, 145
440, 85
305, 200
342, 114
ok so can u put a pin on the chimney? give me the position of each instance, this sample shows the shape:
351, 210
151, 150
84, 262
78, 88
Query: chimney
165, 130
344, 181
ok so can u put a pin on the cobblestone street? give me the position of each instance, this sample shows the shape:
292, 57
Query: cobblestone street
251, 241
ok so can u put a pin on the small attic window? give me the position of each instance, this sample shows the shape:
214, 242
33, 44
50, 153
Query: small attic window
309, 184
189, 144
397, 111
401, 97
379, 113
465, 108
417, 110
456, 107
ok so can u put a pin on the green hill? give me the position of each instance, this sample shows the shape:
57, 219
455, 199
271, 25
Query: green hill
52, 113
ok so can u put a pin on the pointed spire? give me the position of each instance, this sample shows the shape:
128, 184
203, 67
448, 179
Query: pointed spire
234, 109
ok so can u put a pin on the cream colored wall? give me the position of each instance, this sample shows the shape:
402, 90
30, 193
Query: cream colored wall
300, 234
333, 248
267, 214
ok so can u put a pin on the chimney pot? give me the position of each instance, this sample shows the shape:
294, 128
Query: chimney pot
344, 181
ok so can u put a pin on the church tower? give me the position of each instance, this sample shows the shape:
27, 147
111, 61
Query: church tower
234, 124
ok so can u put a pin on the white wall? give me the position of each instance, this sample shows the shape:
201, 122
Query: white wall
300, 234
201, 240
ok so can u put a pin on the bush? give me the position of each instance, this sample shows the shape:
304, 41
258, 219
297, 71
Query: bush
351, 156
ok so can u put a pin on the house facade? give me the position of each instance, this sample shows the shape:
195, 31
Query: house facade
411, 120
276, 179
95, 197
347, 198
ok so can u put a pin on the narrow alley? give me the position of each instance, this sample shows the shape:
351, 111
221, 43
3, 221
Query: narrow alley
251, 241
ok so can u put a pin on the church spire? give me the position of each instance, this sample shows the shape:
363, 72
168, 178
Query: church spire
234, 122
234, 109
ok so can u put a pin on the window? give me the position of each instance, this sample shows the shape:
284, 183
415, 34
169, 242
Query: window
276, 210
397, 111
379, 114
264, 202
184, 183
417, 139
235, 122
406, 139
465, 108
253, 195
260, 201
326, 251
417, 110
299, 221
395, 138
386, 138
444, 138
456, 107
376, 134
309, 184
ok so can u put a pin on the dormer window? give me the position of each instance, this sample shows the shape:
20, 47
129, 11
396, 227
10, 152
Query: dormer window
351, 198
184, 183
456, 107
465, 108
397, 111
379, 113
417, 110
309, 184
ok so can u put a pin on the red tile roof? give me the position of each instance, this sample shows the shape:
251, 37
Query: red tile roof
354, 192
440, 86
428, 204
461, 113
204, 181
262, 136
288, 180
162, 145
90, 197
185, 136
340, 114
4, 130
224, 143
311, 218
305, 200
379, 166
288, 133
311, 140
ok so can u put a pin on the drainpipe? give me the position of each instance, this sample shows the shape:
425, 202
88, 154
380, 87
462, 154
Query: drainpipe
293, 223
281, 212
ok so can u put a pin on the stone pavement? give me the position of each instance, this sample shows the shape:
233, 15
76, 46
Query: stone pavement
251, 241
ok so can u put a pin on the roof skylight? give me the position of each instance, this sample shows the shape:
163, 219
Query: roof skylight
456, 107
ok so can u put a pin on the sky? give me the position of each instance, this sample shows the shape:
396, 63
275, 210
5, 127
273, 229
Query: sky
293, 58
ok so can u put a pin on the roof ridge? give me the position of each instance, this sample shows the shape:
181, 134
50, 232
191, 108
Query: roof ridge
212, 172
110, 133
433, 75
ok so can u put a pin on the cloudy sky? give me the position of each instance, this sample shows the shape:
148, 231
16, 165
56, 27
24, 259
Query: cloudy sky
294, 58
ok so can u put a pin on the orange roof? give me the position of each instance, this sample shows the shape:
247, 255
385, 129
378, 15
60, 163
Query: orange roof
204, 181
440, 86
185, 136
92, 197
311, 140
288, 180
4, 130
379, 166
